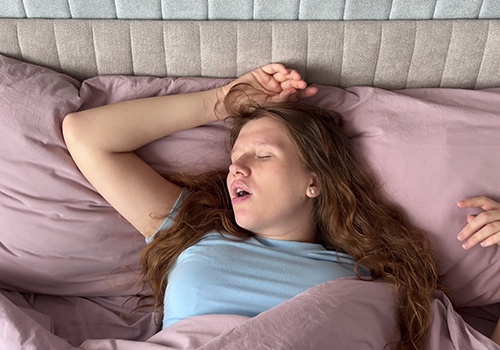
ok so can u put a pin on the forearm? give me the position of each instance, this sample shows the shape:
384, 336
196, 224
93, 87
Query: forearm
127, 126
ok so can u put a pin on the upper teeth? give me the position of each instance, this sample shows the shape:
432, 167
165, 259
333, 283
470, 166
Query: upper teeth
239, 191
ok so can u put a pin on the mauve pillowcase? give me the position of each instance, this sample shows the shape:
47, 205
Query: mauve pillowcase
58, 236
430, 147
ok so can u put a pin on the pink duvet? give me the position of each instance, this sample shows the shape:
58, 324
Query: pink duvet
68, 260
341, 314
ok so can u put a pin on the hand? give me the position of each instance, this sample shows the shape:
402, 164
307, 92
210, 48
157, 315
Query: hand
483, 228
273, 83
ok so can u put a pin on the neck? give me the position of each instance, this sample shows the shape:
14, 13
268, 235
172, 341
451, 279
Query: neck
305, 233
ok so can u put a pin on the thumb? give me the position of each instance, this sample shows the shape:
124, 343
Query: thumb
285, 95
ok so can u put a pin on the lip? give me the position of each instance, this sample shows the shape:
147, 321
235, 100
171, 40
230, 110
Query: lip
235, 185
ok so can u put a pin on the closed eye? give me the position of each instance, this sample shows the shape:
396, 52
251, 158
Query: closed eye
264, 157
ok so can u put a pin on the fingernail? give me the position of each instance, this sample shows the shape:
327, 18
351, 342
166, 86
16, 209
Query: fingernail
465, 245
484, 244
460, 237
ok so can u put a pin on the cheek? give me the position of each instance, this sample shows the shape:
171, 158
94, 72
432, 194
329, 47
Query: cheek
287, 183
277, 175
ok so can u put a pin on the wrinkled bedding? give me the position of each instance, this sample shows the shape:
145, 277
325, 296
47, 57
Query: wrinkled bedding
341, 314
69, 261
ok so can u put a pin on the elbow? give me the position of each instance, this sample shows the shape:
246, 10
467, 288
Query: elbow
76, 131
81, 133
70, 129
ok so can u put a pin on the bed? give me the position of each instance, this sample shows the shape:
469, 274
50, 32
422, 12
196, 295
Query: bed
418, 84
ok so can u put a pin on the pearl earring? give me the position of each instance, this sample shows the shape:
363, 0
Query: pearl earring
313, 191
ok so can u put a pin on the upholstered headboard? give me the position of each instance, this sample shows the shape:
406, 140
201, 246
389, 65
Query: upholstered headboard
388, 44
252, 9
388, 54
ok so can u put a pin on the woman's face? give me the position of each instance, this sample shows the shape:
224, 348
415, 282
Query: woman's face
269, 185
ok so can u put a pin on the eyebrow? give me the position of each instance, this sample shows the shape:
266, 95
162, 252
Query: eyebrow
259, 143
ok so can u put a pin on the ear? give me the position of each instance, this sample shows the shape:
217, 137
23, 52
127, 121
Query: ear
313, 189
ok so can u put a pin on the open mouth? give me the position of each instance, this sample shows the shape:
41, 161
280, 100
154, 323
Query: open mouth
241, 193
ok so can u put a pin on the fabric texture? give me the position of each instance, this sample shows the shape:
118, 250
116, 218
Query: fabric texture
334, 315
384, 54
253, 9
220, 275
62, 245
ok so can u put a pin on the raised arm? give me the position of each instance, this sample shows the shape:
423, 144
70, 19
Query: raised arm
102, 141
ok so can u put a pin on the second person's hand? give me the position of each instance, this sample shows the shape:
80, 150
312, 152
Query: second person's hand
483, 228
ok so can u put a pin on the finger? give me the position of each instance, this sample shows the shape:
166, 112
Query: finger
303, 94
295, 84
482, 202
280, 77
285, 95
274, 68
478, 222
470, 218
288, 74
294, 75
265, 80
307, 92
488, 235
292, 94
492, 240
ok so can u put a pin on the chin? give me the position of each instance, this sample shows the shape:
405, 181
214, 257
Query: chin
245, 224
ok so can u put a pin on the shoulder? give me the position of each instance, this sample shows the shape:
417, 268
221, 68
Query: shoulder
171, 215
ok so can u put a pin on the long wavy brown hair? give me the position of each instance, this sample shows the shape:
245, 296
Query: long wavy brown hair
351, 216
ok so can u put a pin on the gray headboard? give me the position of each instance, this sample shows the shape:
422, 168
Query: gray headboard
252, 9
394, 49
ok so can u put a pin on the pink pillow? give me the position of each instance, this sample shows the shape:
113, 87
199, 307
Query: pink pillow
58, 235
430, 147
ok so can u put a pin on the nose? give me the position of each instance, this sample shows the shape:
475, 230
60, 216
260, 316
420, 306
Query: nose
238, 167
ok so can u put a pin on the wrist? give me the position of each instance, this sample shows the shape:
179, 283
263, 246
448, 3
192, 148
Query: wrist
207, 103
218, 107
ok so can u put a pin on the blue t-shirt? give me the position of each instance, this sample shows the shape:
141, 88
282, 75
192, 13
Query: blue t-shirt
225, 275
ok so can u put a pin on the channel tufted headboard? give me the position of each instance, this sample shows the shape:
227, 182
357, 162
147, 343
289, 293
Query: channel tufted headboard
388, 44
253, 9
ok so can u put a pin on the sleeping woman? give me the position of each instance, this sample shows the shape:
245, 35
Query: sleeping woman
294, 209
